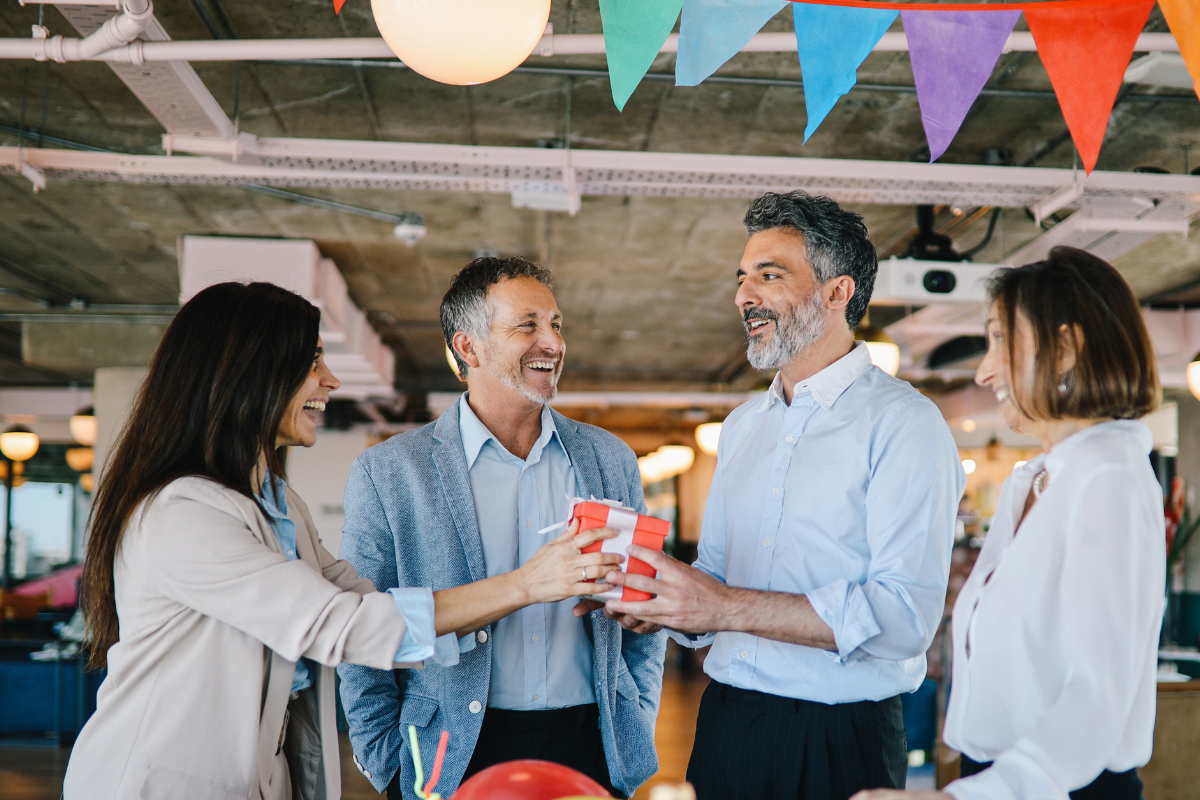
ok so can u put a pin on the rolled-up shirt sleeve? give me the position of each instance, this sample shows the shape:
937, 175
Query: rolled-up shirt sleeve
421, 644
910, 516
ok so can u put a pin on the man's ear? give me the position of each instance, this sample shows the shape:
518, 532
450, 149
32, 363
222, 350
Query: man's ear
838, 291
464, 347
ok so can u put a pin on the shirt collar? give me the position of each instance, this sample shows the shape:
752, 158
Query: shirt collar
274, 498
475, 434
828, 384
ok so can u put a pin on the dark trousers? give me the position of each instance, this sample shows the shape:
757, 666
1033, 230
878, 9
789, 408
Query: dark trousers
1109, 786
756, 746
567, 736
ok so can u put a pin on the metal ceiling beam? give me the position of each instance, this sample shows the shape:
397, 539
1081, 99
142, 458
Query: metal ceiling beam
550, 45
434, 167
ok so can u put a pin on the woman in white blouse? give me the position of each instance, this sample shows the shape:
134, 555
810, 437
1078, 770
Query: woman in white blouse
1055, 631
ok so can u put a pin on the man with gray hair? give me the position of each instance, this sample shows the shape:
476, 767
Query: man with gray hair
460, 505
825, 549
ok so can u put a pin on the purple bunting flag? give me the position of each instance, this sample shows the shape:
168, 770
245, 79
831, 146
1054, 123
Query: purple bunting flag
953, 54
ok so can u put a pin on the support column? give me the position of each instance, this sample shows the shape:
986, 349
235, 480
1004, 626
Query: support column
112, 396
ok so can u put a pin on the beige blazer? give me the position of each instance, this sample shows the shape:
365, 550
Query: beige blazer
213, 618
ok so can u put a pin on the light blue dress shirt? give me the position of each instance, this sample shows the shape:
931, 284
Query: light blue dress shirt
848, 495
419, 642
541, 655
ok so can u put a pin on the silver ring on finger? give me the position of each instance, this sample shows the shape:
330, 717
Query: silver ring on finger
583, 570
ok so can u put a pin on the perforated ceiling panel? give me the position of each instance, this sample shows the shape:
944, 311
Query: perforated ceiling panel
170, 90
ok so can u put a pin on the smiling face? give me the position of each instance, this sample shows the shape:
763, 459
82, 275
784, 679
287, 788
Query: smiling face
299, 425
997, 369
781, 301
524, 350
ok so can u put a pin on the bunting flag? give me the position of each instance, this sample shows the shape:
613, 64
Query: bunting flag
337, 6
634, 32
1184, 18
832, 42
1085, 50
712, 31
953, 54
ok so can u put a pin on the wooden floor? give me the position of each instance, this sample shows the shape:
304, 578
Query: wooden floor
35, 772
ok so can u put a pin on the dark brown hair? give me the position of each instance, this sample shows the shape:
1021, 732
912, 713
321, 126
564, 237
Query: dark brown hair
211, 404
1115, 374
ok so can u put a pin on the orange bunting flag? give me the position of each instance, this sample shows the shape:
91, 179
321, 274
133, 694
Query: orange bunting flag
337, 6
1085, 50
1184, 18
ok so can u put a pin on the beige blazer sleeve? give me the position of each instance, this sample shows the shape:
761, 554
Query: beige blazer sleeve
210, 553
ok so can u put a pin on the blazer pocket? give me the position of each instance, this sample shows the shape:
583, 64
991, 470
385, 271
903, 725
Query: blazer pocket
626, 685
162, 783
417, 711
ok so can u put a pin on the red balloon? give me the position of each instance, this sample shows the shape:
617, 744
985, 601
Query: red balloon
528, 779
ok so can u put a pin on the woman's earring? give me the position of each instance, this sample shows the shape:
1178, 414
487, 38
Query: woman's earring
1062, 385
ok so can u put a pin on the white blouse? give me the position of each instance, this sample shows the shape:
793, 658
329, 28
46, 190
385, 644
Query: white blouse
1056, 630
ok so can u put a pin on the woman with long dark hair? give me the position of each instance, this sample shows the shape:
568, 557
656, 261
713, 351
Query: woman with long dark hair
1055, 632
208, 594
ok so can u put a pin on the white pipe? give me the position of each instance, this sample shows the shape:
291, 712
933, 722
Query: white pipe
115, 34
552, 44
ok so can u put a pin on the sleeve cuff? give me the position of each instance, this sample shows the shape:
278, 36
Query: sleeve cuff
843, 606
420, 642
692, 640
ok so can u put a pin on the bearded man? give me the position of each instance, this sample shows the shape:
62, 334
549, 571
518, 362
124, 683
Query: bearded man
460, 505
825, 549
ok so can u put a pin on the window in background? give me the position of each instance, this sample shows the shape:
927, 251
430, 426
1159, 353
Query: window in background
662, 501
43, 527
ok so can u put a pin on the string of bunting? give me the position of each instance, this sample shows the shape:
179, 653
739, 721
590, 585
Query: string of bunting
1085, 47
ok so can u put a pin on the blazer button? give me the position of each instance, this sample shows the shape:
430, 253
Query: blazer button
475, 706
481, 636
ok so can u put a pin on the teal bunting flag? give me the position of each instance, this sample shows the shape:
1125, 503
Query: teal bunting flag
832, 42
634, 32
712, 31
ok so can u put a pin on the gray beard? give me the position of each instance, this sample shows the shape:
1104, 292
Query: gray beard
514, 379
794, 333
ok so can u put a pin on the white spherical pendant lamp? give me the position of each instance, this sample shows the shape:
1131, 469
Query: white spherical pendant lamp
461, 42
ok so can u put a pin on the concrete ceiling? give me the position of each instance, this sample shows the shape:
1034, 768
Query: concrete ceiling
646, 284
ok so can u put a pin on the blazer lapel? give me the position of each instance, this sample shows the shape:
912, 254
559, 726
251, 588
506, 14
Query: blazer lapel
451, 463
589, 478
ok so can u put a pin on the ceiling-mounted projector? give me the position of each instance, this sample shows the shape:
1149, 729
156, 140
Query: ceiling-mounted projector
912, 281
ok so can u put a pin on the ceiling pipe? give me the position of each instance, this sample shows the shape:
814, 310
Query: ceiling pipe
137, 52
114, 35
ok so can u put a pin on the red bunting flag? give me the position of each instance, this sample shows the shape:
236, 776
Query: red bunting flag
1085, 50
337, 6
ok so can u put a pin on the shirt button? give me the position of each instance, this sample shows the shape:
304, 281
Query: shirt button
481, 636
536, 696
745, 654
774, 490
475, 706
766, 542
535, 638
528, 523
790, 439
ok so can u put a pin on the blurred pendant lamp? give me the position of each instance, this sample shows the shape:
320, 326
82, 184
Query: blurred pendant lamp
884, 352
18, 443
1193, 376
83, 426
461, 42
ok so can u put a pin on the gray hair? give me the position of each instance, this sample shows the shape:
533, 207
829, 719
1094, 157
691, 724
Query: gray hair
835, 240
465, 307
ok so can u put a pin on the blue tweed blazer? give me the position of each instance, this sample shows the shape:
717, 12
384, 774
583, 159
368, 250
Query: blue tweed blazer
410, 521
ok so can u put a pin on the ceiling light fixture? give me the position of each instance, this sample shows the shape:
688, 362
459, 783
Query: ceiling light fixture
83, 426
461, 42
18, 443
1193, 376
885, 354
708, 436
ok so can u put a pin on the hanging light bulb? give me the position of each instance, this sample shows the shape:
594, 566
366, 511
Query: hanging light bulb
80, 458
461, 42
83, 426
18, 443
1193, 376
883, 351
708, 436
